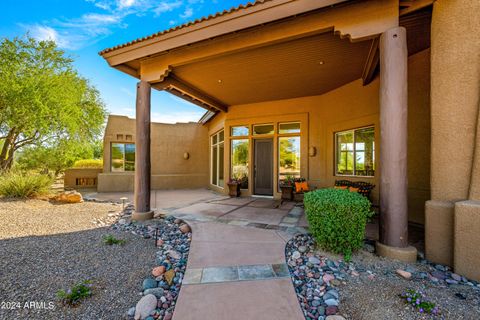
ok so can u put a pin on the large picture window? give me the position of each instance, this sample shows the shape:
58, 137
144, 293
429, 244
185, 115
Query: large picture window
123, 157
240, 161
355, 152
217, 178
289, 157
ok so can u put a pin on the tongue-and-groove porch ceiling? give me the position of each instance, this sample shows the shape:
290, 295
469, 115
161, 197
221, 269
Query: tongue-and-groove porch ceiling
302, 55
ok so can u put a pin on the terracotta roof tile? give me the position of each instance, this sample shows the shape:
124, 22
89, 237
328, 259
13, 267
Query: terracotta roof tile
187, 24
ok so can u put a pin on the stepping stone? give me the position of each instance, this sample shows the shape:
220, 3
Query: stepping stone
263, 271
219, 274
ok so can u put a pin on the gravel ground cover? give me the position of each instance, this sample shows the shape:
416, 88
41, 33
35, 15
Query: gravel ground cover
46, 247
369, 287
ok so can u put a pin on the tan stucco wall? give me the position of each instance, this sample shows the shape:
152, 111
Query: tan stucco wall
72, 174
169, 143
455, 96
467, 239
348, 107
452, 220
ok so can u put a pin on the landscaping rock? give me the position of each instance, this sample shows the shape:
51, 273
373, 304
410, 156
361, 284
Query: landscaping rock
169, 276
157, 292
404, 274
158, 271
456, 277
131, 312
69, 197
335, 317
149, 283
145, 307
185, 228
331, 310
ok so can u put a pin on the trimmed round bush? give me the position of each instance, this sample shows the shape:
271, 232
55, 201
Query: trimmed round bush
89, 163
23, 185
337, 219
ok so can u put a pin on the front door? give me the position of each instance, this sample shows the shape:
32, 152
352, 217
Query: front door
263, 169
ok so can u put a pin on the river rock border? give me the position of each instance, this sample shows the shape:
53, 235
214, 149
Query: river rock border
161, 289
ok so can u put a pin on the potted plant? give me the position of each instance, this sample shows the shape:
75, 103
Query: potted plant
234, 188
286, 186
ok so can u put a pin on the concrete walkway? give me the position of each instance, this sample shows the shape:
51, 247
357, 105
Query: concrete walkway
236, 267
236, 272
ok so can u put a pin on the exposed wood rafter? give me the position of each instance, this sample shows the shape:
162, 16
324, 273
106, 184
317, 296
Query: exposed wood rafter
372, 62
408, 6
186, 91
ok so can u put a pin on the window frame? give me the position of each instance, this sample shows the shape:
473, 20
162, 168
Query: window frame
124, 156
335, 163
217, 144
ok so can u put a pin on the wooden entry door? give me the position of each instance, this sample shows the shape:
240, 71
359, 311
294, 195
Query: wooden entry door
263, 170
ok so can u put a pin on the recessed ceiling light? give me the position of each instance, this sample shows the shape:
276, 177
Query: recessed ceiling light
219, 80
321, 62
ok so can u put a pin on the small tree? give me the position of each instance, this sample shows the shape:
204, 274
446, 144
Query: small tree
55, 158
43, 99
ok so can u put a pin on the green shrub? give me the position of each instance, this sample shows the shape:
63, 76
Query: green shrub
24, 185
79, 291
111, 240
89, 163
337, 219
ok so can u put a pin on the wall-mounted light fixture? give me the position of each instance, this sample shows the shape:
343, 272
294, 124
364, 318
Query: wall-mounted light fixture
312, 151
186, 155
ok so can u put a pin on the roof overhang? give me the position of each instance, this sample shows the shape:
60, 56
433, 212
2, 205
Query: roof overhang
263, 24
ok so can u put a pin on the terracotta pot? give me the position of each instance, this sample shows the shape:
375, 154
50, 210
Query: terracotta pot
287, 192
234, 189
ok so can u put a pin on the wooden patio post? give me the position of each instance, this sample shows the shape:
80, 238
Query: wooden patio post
393, 146
142, 153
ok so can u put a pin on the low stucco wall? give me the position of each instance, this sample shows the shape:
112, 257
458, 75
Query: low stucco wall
81, 178
169, 144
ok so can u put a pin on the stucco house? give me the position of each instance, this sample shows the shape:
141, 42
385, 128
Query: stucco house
383, 91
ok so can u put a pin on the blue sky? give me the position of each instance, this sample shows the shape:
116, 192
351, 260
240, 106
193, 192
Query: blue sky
84, 27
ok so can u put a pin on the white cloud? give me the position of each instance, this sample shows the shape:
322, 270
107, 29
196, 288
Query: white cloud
172, 22
187, 13
43, 32
167, 6
125, 3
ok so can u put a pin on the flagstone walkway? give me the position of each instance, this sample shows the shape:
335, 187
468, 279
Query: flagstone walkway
236, 272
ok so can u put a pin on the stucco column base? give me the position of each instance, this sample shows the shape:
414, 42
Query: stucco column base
142, 216
407, 254
439, 231
467, 239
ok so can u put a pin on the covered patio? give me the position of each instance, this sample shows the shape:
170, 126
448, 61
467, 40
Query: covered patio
325, 66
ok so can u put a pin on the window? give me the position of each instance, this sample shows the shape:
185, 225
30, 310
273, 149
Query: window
240, 161
289, 157
292, 127
217, 159
355, 152
239, 131
263, 129
123, 157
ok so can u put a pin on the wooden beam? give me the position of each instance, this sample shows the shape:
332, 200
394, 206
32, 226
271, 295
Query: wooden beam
188, 92
413, 5
372, 62
128, 70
